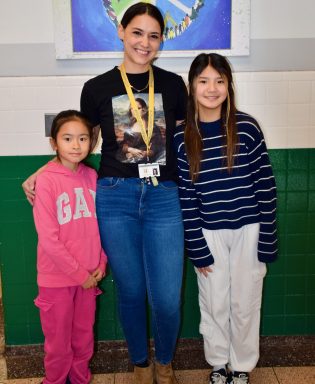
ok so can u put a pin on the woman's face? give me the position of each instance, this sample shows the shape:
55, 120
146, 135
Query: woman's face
142, 38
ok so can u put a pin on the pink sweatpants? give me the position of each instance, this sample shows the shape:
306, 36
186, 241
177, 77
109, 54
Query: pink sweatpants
67, 318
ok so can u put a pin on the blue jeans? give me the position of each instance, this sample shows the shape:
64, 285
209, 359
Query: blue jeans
142, 233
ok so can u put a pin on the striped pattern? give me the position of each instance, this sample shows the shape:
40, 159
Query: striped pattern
222, 200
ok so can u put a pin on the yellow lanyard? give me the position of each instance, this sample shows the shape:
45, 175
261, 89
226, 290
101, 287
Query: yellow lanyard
146, 134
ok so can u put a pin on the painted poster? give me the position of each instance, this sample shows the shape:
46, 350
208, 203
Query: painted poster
88, 28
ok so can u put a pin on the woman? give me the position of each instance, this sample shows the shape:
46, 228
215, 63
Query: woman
138, 211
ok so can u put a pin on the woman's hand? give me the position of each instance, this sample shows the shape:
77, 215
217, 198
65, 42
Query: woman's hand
29, 184
29, 188
205, 270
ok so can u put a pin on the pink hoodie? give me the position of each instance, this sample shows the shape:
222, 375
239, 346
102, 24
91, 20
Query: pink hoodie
69, 246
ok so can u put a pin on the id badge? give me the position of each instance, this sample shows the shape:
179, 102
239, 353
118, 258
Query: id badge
149, 170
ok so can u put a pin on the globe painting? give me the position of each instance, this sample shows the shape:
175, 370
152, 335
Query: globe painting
189, 24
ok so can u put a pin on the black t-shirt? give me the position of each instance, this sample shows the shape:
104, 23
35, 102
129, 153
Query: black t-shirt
104, 101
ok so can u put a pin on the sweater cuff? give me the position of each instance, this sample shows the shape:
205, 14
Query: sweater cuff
201, 263
199, 252
267, 257
267, 244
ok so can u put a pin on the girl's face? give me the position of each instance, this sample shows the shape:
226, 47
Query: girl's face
72, 144
210, 90
142, 39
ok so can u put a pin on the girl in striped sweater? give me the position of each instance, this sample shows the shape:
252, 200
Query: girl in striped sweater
228, 199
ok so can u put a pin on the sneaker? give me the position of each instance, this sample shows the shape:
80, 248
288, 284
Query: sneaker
218, 377
238, 378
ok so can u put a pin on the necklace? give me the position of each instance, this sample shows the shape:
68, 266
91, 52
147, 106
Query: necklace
140, 90
131, 86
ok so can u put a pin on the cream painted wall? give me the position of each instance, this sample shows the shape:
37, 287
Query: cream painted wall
282, 19
24, 22
31, 21
282, 102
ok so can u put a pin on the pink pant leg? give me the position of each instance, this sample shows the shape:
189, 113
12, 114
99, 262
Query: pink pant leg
56, 313
82, 334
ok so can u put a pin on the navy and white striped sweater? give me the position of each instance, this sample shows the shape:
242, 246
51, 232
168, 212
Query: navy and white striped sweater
222, 200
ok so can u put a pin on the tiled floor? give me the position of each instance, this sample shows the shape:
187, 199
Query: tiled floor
276, 375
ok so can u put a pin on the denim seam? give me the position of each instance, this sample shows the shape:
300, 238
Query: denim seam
154, 318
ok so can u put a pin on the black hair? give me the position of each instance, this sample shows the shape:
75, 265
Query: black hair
143, 8
64, 117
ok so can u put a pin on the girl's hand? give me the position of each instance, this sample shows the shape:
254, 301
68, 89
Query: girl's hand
98, 274
29, 188
90, 282
205, 270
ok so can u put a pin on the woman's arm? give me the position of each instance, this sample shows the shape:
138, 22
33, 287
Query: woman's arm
29, 185
96, 136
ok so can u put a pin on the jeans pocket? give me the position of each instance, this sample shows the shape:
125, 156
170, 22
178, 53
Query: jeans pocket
108, 182
169, 185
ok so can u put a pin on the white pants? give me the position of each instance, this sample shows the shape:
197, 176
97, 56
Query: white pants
230, 298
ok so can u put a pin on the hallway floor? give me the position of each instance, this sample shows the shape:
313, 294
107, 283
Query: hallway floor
274, 375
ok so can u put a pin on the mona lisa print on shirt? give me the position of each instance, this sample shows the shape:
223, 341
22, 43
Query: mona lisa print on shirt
131, 147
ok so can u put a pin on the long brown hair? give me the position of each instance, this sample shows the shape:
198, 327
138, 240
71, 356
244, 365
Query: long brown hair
193, 139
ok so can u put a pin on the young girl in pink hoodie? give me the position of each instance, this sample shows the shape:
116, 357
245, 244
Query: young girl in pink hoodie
70, 259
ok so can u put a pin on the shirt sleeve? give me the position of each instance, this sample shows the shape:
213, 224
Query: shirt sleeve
88, 105
196, 245
182, 100
47, 227
265, 192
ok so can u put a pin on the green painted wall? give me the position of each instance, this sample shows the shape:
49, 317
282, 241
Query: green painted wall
289, 292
